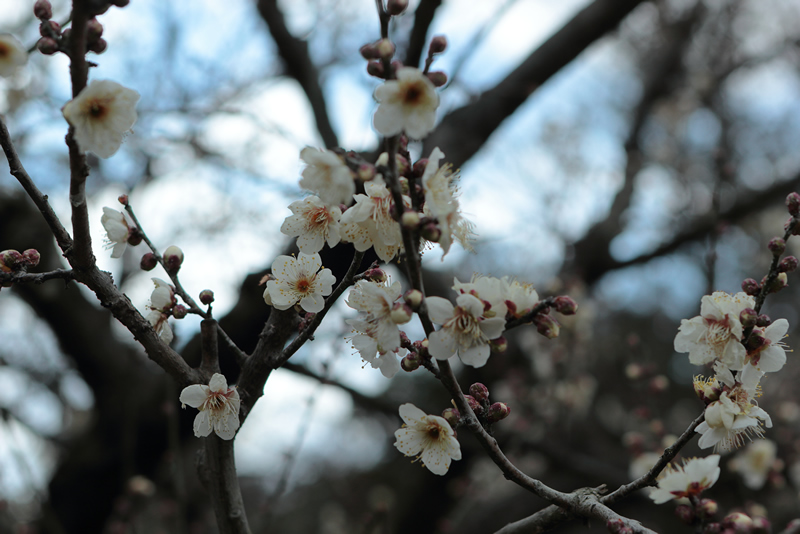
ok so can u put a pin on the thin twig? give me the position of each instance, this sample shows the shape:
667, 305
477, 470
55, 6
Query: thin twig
37, 278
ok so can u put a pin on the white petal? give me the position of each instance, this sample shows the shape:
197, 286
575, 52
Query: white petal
202, 425
194, 395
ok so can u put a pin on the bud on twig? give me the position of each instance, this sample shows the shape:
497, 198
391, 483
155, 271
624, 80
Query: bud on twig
793, 204
369, 51
148, 262
751, 287
763, 320
748, 317
179, 311
547, 326
685, 513
437, 78
413, 297
206, 296
777, 246
787, 264
438, 45
410, 219
497, 412
47, 46
30, 257
375, 68
479, 392
565, 305
396, 7
452, 416
474, 404
173, 258
401, 313
43, 10
411, 362
385, 49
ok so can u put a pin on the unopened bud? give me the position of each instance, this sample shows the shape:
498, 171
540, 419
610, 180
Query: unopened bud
403, 166
787, 264
384, 48
366, 172
565, 305
499, 345
712, 528
47, 46
452, 416
411, 362
634, 371
410, 219
780, 282
50, 28
179, 311
437, 78
401, 313
763, 320
94, 30
98, 47
42, 10
12, 260
31, 257
497, 412
479, 392
431, 232
206, 296
419, 167
396, 7
793, 204
685, 513
777, 246
123, 199
474, 405
738, 522
413, 297
438, 45
369, 51
173, 258
376, 274
748, 317
547, 326
707, 508
375, 68
751, 287
148, 262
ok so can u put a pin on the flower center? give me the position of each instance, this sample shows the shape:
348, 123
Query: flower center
303, 285
97, 109
4, 51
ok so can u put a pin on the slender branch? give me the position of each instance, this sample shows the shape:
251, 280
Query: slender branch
37, 278
423, 17
209, 347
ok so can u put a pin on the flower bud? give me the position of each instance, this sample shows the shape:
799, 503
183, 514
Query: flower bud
618, 526
438, 45
437, 78
385, 49
411, 362
369, 51
47, 46
179, 311
707, 508
751, 287
12, 260
98, 47
685, 513
787, 264
748, 317
50, 28
43, 10
148, 262
479, 392
499, 345
780, 282
777, 246
712, 528
375, 68
366, 172
123, 199
396, 7
431, 232
763, 320
452, 416
474, 405
738, 522
497, 412
401, 313
206, 296
565, 305
410, 219
793, 204
94, 30
413, 297
173, 258
30, 257
376, 274
547, 326
134, 236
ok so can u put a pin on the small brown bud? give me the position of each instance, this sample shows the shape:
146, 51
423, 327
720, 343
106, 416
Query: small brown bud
396, 7
438, 78
777, 246
474, 405
763, 320
497, 412
47, 46
793, 204
751, 287
375, 274
148, 262
134, 237
123, 199
50, 28
98, 47
42, 10
94, 30
565, 305
206, 296
431, 232
438, 45
547, 326
179, 311
375, 68
411, 362
499, 345
419, 168
369, 51
707, 508
12, 260
479, 392
787, 264
413, 297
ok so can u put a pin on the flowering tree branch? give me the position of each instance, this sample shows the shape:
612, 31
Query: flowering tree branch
37, 278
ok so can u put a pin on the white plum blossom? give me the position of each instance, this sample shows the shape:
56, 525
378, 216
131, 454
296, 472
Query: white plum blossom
406, 104
162, 300
118, 231
102, 114
327, 176
732, 418
715, 335
313, 224
375, 300
387, 361
770, 355
441, 203
12, 54
297, 280
755, 462
218, 405
428, 436
464, 329
369, 222
689, 480
492, 291
520, 297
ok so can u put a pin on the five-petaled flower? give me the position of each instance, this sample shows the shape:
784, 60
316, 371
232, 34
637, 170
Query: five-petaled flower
369, 223
406, 104
12, 54
297, 280
327, 176
102, 113
118, 231
689, 480
218, 405
313, 224
430, 437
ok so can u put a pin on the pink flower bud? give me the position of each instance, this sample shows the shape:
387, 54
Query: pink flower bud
780, 282
30, 257
413, 297
738, 522
438, 45
366, 172
659, 384
685, 513
497, 412
748, 317
763, 320
94, 30
452, 416
376, 274
123, 199
547, 326
47, 46
375, 68
385, 49
206, 296
134, 237
401, 313
396, 7
707, 508
98, 47
410, 362
777, 246
50, 28
148, 262
179, 311
12, 260
42, 10
787, 264
431, 232
565, 305
437, 78
761, 525
499, 345
173, 258
751, 287
793, 204
479, 392
474, 405
369, 51
419, 168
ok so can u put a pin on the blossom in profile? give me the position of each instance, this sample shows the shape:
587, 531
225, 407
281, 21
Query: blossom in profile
464, 329
162, 301
118, 231
327, 176
520, 297
406, 104
732, 418
428, 436
369, 223
767, 354
299, 280
313, 224
689, 480
12, 54
375, 301
218, 405
755, 462
102, 114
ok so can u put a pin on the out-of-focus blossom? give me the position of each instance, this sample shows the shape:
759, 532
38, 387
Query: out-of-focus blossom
327, 176
12, 54
406, 104
689, 480
755, 462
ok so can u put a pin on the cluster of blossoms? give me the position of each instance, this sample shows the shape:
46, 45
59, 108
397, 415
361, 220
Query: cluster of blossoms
716, 338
